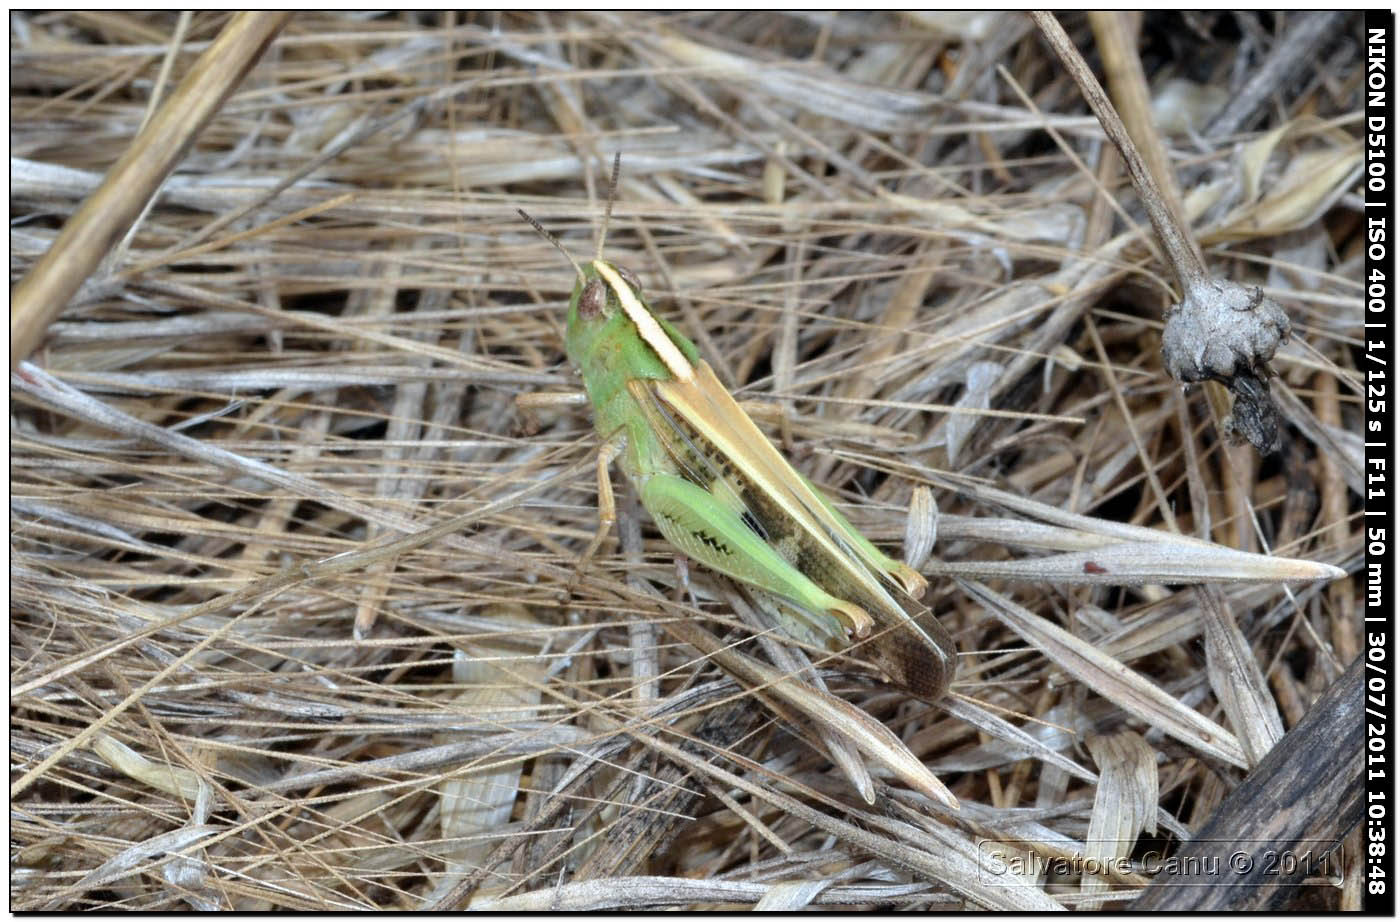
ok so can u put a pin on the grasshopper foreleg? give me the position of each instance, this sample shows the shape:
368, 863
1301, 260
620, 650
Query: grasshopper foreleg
529, 405
607, 505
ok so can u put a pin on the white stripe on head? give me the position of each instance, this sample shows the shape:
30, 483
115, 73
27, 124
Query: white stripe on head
646, 324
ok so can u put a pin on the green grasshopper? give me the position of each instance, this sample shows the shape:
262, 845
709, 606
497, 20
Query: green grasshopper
720, 492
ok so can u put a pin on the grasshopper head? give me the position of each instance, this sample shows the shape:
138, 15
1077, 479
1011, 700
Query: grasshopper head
599, 297
608, 307
602, 293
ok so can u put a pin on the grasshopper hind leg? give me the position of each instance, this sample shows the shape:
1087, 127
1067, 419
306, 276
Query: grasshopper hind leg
709, 531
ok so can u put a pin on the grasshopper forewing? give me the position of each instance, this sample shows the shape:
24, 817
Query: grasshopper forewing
720, 491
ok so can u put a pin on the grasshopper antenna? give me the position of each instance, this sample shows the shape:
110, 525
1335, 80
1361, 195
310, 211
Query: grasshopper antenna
539, 228
612, 197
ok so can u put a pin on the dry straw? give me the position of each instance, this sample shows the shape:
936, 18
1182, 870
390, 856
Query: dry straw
289, 619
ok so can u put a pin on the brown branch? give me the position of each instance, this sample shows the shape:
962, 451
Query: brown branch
131, 182
1308, 788
1220, 330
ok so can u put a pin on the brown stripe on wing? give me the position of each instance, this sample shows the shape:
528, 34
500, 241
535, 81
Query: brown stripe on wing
910, 645
704, 403
696, 459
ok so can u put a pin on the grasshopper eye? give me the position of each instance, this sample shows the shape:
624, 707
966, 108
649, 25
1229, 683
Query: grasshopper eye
592, 299
632, 281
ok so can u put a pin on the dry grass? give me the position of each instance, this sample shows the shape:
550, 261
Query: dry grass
246, 675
